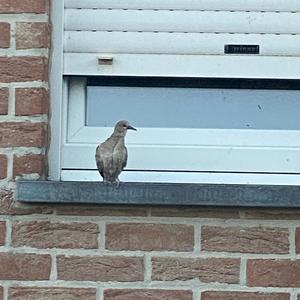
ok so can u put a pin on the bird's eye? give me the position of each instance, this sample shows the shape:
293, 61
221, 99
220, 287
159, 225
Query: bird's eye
124, 126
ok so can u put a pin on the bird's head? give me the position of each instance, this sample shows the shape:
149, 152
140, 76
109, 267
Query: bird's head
122, 127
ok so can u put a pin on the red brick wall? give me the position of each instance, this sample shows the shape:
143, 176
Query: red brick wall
118, 253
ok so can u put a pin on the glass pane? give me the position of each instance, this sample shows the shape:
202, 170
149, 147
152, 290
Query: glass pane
193, 107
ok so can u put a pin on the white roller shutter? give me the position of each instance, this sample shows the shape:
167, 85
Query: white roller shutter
182, 38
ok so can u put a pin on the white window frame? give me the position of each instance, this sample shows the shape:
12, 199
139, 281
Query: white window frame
61, 135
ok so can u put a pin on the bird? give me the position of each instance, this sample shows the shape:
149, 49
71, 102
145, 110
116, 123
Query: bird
111, 155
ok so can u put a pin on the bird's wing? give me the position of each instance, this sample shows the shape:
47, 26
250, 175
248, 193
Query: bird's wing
99, 160
125, 155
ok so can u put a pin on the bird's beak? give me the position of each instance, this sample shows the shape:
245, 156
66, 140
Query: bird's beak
132, 128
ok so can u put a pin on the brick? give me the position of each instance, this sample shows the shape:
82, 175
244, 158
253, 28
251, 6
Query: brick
224, 270
24, 266
273, 273
24, 6
2, 233
150, 237
22, 134
102, 210
23, 68
29, 164
31, 101
3, 166
225, 295
10, 207
44, 234
4, 94
100, 268
143, 294
32, 35
298, 240
4, 35
53, 293
271, 214
195, 212
245, 240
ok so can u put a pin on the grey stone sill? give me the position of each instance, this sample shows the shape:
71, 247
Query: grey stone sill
159, 194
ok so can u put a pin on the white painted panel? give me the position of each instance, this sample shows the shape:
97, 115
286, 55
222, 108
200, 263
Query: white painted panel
242, 5
184, 66
186, 177
176, 43
222, 159
56, 89
178, 137
182, 21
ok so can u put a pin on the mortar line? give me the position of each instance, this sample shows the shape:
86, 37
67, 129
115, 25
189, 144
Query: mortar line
53, 272
10, 166
147, 269
5, 291
100, 293
25, 17
197, 295
292, 242
141, 253
8, 238
11, 102
197, 238
294, 295
36, 52
243, 271
25, 84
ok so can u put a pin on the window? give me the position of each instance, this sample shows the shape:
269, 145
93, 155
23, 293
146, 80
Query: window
203, 115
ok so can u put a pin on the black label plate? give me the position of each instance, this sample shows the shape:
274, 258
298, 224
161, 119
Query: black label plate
241, 49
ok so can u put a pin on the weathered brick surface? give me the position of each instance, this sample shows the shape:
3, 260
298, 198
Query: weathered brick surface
271, 214
44, 234
100, 268
245, 240
8, 206
101, 210
28, 164
32, 35
195, 212
3, 166
150, 237
4, 35
23, 6
2, 233
276, 273
205, 269
297, 240
243, 296
31, 101
51, 293
26, 68
24, 266
130, 294
26, 134
4, 94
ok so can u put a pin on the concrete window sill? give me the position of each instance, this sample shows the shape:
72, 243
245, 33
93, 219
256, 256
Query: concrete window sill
159, 194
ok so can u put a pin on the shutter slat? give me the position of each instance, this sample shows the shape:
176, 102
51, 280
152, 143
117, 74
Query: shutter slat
235, 66
176, 43
182, 21
225, 5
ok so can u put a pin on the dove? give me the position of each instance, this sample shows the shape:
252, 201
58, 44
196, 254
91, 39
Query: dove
111, 155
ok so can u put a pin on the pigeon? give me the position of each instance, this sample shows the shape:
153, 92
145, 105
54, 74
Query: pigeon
111, 155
